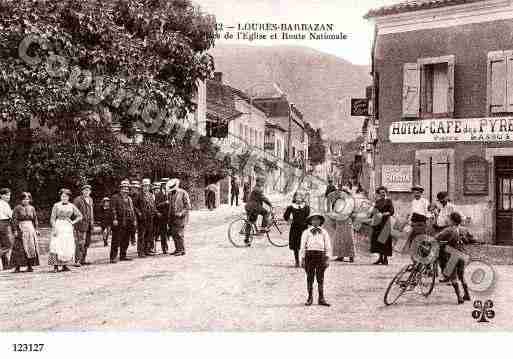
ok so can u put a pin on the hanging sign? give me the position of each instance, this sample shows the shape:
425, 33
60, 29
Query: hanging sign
489, 129
359, 107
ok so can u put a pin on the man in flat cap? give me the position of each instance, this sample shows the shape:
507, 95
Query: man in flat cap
84, 228
135, 194
161, 221
123, 222
148, 213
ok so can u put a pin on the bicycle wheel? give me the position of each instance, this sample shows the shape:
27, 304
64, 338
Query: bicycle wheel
277, 234
241, 233
397, 286
427, 280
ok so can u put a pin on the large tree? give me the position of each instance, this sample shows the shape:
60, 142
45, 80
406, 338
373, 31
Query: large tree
59, 58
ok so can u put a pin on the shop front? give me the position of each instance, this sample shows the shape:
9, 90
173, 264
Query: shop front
472, 159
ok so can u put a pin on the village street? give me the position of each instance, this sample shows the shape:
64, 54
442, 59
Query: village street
218, 287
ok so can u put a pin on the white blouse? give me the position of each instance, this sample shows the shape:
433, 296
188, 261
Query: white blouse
5, 210
315, 242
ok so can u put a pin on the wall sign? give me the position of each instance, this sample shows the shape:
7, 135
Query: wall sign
489, 129
475, 176
359, 107
397, 178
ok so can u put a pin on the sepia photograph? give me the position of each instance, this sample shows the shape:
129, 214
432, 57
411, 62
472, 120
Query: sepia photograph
277, 167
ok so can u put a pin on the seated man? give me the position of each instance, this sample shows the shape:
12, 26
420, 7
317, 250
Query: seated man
254, 205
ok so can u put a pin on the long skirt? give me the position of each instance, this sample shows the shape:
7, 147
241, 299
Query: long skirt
62, 243
382, 242
25, 249
6, 237
341, 233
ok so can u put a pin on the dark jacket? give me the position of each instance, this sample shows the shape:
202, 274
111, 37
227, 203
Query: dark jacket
87, 211
177, 211
123, 210
256, 200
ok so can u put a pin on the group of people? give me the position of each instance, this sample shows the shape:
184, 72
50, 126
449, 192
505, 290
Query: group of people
440, 220
139, 213
317, 238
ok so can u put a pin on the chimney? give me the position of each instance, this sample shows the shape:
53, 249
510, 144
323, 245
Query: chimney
218, 76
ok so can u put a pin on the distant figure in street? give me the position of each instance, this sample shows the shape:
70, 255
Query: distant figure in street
340, 226
105, 216
176, 210
123, 222
315, 253
62, 239
381, 237
246, 188
299, 211
84, 228
6, 235
210, 194
25, 251
255, 204
234, 192
329, 189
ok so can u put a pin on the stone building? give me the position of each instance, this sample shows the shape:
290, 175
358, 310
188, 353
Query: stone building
443, 85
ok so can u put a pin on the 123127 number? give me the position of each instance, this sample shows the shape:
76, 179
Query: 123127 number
28, 347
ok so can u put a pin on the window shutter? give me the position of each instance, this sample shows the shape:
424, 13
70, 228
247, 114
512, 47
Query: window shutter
509, 80
497, 82
411, 90
450, 87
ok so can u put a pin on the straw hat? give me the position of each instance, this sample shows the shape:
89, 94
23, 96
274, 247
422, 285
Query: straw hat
313, 215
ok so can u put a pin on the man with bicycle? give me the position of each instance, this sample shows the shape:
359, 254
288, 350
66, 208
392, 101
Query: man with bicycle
255, 205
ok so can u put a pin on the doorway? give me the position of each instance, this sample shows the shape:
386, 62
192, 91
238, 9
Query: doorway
504, 200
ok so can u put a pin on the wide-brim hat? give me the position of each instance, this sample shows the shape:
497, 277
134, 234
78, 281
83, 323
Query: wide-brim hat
124, 183
418, 188
135, 184
106, 199
313, 215
85, 186
164, 180
442, 195
172, 184
146, 182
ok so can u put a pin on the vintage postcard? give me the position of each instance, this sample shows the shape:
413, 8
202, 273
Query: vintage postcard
246, 166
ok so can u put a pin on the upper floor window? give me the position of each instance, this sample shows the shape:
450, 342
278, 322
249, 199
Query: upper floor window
500, 82
428, 88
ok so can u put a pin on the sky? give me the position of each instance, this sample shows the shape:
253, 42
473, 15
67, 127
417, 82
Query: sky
346, 15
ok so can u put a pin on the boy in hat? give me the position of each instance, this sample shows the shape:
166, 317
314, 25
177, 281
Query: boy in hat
315, 253
84, 228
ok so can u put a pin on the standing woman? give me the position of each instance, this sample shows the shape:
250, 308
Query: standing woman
340, 227
299, 211
62, 240
6, 236
25, 250
381, 238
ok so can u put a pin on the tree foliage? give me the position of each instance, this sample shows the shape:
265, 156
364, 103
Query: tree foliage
154, 49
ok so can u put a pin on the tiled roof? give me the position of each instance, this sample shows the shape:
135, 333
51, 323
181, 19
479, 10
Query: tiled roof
414, 5
221, 112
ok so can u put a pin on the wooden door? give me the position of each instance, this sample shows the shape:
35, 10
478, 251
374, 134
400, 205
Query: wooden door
504, 201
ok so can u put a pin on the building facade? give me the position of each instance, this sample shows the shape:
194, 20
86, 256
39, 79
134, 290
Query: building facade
443, 75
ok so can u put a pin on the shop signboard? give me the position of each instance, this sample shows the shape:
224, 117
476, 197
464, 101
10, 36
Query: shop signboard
397, 178
488, 129
475, 176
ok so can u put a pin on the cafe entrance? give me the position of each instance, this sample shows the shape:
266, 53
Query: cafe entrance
504, 200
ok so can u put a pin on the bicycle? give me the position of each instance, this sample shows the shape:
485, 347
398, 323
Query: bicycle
412, 276
242, 232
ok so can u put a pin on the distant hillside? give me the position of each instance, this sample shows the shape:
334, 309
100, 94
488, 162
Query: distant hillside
320, 84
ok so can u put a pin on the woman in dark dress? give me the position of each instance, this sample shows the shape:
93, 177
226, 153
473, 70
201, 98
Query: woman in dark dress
25, 252
299, 211
382, 211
